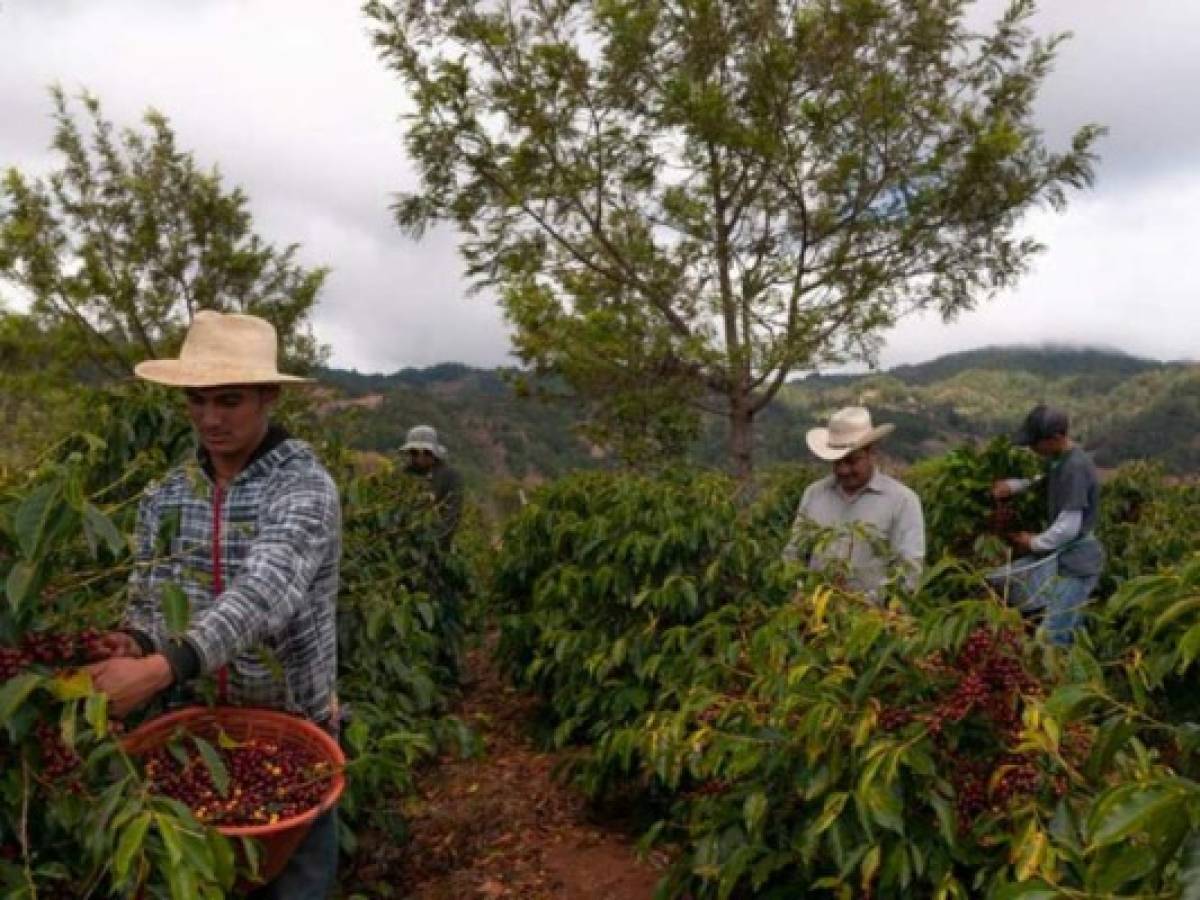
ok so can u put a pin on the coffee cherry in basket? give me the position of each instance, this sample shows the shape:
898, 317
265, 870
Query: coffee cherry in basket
262, 780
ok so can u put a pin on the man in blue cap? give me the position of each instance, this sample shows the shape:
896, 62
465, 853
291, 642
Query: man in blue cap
1073, 556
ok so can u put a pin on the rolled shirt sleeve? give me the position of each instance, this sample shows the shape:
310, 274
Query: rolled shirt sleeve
1064, 529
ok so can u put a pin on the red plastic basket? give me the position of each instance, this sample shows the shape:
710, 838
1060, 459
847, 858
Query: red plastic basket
279, 840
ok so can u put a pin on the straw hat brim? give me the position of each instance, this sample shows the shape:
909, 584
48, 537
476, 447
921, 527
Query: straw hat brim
818, 442
178, 373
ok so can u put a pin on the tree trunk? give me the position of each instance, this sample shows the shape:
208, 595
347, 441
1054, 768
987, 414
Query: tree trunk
741, 436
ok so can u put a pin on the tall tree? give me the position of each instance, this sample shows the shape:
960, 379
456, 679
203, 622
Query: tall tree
731, 189
127, 238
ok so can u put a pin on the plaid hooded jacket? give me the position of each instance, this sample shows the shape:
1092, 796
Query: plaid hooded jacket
273, 540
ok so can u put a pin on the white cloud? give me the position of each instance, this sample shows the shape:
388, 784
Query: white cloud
1119, 273
289, 98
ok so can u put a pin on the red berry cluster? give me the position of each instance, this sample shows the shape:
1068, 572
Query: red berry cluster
1002, 517
268, 781
989, 785
991, 680
893, 718
49, 649
980, 690
57, 758
711, 788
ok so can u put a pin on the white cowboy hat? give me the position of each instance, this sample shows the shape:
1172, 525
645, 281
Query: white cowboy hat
849, 430
423, 437
219, 349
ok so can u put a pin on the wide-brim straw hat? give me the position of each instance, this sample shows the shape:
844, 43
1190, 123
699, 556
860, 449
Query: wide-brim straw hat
849, 429
221, 349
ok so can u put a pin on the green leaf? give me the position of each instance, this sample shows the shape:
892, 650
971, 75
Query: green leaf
1112, 736
67, 721
29, 522
71, 685
1064, 702
176, 609
357, 736
102, 526
883, 803
15, 691
947, 823
870, 867
252, 853
1027, 890
271, 663
1120, 864
214, 763
1189, 647
834, 804
754, 810
182, 882
95, 711
1189, 879
20, 578
133, 835
170, 836
1131, 808
178, 752
224, 859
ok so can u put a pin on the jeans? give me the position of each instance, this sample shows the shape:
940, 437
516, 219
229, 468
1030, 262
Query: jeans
1060, 597
311, 872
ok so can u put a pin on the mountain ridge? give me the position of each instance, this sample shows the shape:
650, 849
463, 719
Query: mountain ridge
1123, 406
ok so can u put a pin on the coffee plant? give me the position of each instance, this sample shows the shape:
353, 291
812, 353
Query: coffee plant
790, 737
776, 497
400, 635
961, 518
600, 579
1148, 522
77, 816
861, 751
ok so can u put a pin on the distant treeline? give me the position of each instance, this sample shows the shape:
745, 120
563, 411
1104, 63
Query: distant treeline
1124, 408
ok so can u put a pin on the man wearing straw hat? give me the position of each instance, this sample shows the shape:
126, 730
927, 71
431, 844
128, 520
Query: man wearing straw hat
874, 519
250, 530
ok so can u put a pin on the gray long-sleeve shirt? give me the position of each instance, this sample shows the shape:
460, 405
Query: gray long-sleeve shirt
885, 509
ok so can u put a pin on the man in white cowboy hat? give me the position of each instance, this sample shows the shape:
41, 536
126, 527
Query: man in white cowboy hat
427, 460
873, 516
250, 530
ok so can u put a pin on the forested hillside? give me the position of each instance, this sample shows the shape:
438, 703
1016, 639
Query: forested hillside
1124, 408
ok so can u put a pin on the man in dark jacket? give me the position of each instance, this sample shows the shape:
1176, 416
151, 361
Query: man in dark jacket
1072, 557
427, 461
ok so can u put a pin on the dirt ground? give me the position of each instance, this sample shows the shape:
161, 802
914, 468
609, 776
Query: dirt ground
502, 826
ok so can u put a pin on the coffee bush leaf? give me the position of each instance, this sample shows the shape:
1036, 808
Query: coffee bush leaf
133, 835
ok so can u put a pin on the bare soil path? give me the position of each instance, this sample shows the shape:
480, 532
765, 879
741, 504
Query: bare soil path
502, 826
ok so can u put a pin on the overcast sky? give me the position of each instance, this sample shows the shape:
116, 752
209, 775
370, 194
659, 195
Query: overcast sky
287, 97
